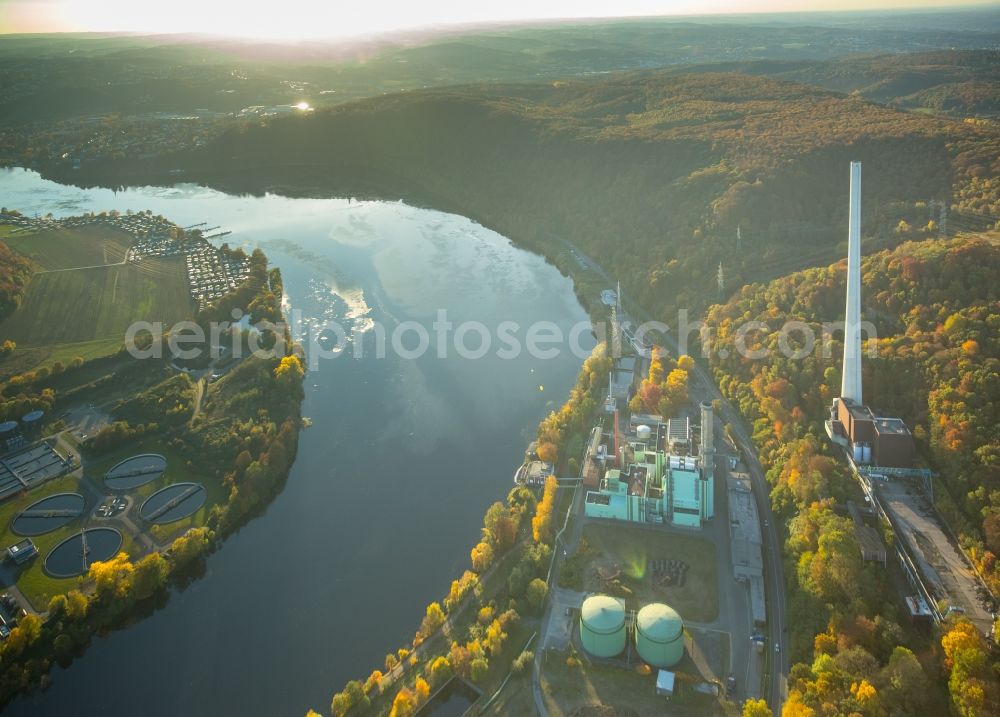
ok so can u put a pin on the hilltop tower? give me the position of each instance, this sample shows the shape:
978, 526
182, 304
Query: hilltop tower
850, 385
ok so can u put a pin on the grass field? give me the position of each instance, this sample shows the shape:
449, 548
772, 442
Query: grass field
628, 550
86, 305
70, 248
31, 357
570, 690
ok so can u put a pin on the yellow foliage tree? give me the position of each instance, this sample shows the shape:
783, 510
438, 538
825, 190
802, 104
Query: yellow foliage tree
404, 704
422, 689
482, 557
756, 708
289, 370
541, 523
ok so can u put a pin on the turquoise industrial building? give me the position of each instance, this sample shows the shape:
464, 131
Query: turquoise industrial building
659, 479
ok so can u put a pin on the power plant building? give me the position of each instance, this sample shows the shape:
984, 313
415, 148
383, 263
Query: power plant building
869, 439
656, 485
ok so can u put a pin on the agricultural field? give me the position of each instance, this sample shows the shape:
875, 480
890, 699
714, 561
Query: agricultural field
86, 305
69, 248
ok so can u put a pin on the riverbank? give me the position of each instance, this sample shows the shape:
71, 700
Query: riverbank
391, 439
138, 407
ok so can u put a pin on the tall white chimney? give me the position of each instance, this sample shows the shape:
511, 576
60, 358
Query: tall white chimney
850, 384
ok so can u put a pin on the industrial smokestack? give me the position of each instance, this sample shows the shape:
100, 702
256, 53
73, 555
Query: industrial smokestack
707, 451
850, 384
707, 439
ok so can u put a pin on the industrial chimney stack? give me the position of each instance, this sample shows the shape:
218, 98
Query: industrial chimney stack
707, 455
850, 386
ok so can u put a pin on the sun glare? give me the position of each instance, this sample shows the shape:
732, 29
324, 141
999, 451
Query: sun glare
293, 20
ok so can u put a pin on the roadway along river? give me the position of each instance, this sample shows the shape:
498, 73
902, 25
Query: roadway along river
387, 493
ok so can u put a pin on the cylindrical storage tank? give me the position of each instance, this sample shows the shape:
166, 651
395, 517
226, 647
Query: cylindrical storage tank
32, 421
857, 452
7, 428
866, 453
602, 625
659, 635
643, 433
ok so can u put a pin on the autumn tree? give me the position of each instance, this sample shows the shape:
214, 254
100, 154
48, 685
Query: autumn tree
433, 619
482, 557
439, 671
536, 593
541, 524
404, 704
499, 527
353, 696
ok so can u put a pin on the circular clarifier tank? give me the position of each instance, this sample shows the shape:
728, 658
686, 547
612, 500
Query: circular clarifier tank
135, 471
47, 514
173, 502
77, 553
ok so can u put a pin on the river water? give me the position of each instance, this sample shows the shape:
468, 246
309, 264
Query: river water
387, 492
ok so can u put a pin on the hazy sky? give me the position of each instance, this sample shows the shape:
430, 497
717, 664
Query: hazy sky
289, 19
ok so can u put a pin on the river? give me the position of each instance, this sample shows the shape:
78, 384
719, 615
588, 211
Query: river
390, 483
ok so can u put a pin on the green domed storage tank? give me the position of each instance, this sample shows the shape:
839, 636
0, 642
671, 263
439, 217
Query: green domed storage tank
602, 625
659, 635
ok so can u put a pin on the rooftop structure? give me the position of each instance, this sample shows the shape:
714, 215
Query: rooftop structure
870, 439
686, 504
679, 435
744, 529
533, 473
872, 548
22, 551
665, 683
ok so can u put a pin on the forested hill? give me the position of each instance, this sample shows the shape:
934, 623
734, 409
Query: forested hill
953, 82
936, 305
649, 172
